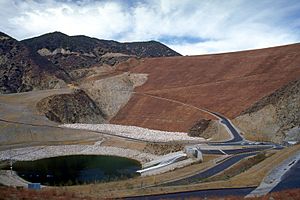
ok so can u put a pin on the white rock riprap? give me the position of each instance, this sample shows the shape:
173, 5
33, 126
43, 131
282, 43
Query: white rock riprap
135, 132
39, 152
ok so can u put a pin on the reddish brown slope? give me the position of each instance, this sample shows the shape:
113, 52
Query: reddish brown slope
226, 83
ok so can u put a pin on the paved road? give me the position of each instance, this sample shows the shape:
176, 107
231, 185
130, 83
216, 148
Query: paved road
290, 180
234, 151
198, 194
236, 134
211, 171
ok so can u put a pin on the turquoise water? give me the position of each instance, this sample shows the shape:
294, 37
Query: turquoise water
76, 169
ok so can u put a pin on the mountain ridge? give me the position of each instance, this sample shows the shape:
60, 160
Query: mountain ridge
20, 71
80, 52
57, 56
92, 42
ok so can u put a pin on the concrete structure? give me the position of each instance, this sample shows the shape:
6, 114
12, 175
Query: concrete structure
193, 152
165, 162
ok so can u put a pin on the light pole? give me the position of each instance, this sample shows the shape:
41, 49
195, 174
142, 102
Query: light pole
11, 163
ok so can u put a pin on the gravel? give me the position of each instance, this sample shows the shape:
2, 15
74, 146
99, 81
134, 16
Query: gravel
136, 132
39, 152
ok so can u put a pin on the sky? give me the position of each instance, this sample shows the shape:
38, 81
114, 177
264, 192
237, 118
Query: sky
191, 27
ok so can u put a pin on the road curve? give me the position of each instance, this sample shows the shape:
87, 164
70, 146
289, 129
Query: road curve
230, 127
235, 133
211, 171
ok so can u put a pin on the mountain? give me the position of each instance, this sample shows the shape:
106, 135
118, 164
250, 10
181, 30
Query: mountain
21, 71
257, 89
74, 52
54, 59
227, 83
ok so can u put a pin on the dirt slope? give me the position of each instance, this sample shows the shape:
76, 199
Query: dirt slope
24, 125
227, 83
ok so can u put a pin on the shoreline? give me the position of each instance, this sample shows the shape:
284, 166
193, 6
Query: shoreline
40, 152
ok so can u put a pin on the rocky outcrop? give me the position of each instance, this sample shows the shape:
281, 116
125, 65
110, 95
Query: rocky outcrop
53, 59
198, 129
212, 130
21, 72
71, 108
75, 52
162, 149
293, 135
260, 125
275, 117
99, 96
57, 41
112, 93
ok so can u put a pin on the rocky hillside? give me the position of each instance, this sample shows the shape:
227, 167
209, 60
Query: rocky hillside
51, 60
76, 107
54, 60
112, 93
227, 83
74, 52
275, 117
20, 71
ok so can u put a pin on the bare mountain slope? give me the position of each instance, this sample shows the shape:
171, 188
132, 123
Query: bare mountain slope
226, 83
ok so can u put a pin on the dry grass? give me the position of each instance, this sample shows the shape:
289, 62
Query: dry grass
9, 193
255, 137
255, 175
238, 168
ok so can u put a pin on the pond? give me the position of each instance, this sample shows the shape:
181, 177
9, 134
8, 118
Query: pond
76, 169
